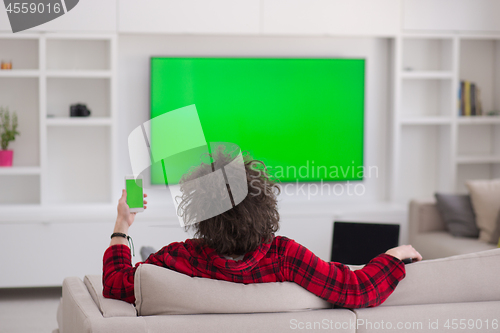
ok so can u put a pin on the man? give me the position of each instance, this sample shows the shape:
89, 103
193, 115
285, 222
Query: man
239, 245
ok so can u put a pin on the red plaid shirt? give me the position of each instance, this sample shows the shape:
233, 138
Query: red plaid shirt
281, 260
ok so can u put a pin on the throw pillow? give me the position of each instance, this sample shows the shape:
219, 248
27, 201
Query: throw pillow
458, 214
485, 196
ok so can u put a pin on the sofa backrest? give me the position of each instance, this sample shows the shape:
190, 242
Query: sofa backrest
423, 217
469, 277
162, 291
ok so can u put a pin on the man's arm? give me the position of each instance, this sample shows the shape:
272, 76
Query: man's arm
118, 274
117, 271
336, 283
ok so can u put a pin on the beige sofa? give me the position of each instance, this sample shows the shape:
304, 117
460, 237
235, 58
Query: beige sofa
436, 295
428, 233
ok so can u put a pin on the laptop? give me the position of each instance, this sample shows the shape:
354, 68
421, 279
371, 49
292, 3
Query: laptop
358, 243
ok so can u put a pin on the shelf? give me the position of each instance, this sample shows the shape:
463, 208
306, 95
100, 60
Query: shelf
439, 75
69, 54
78, 165
78, 37
59, 159
479, 120
83, 121
20, 35
23, 53
426, 121
19, 73
426, 98
105, 74
62, 92
22, 95
427, 54
480, 159
479, 64
19, 170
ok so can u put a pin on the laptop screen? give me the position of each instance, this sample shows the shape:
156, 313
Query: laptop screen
358, 243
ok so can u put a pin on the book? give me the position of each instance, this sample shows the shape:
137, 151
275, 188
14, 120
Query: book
461, 98
469, 99
479, 106
467, 105
472, 99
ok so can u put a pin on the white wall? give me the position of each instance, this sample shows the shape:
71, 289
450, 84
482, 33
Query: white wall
451, 15
270, 17
275, 17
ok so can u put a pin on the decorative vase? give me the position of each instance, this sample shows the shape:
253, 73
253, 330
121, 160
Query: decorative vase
6, 158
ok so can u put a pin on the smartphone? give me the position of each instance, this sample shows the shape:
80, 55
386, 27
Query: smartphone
135, 193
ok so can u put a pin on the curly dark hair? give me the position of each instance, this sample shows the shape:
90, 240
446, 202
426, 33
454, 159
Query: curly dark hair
245, 226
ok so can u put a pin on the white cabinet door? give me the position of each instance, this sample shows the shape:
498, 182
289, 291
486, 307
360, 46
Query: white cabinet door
335, 17
86, 16
41, 254
189, 16
451, 15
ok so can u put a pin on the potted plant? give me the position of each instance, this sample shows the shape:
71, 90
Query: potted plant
8, 132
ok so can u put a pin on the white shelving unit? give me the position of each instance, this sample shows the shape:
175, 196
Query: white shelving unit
59, 160
434, 148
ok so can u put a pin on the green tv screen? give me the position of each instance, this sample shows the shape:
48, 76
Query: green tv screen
302, 117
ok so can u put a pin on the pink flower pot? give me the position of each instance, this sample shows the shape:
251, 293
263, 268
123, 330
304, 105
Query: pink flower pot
6, 158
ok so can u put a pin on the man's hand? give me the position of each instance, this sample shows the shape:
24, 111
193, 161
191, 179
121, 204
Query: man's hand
404, 252
124, 219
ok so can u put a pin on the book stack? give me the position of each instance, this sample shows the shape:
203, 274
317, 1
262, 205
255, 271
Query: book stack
469, 99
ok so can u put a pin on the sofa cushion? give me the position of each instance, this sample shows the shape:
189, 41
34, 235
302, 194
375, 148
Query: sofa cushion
458, 214
108, 307
469, 277
162, 291
485, 195
328, 320
476, 316
440, 244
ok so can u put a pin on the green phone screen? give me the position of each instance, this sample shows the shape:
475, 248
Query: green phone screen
134, 193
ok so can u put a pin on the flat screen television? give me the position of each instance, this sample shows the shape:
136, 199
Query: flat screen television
304, 117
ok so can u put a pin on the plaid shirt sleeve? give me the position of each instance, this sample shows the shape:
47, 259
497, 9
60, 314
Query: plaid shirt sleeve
336, 283
118, 274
